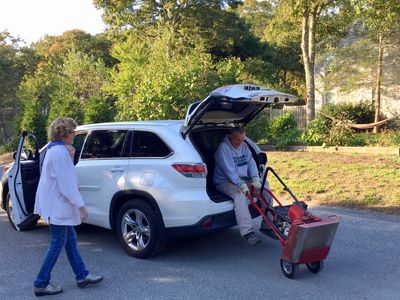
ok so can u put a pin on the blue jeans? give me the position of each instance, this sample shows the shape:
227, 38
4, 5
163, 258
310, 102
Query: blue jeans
61, 236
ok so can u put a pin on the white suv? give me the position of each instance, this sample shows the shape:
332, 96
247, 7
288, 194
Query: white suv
149, 180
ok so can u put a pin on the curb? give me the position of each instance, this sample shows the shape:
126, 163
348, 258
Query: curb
364, 150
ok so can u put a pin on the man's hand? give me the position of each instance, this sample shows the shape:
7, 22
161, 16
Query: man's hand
83, 212
256, 182
244, 188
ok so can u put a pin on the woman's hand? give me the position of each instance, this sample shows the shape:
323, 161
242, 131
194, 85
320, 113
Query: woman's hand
83, 212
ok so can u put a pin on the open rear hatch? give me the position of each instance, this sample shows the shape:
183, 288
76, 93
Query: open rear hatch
208, 121
235, 104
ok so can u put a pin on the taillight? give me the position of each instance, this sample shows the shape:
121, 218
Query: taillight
192, 170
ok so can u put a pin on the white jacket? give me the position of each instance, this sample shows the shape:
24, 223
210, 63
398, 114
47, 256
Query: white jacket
57, 198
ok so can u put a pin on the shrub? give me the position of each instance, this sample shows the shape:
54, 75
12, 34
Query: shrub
360, 113
257, 129
385, 138
282, 131
340, 134
315, 131
12, 144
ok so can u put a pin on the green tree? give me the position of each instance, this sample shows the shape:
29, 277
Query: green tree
34, 93
307, 15
13, 64
54, 49
67, 75
212, 23
74, 89
152, 84
282, 33
310, 12
79, 83
381, 17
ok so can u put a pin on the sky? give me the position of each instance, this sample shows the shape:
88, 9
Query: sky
32, 19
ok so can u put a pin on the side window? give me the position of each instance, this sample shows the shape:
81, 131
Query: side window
148, 144
105, 144
78, 144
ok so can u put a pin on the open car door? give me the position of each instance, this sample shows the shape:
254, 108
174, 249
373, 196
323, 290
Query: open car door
235, 104
23, 181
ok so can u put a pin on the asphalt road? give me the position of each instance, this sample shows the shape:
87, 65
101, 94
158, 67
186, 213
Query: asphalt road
364, 263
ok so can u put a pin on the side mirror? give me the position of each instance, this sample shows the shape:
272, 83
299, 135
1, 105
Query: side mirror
14, 155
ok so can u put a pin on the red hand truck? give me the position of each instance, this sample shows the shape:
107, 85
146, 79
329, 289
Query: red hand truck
305, 238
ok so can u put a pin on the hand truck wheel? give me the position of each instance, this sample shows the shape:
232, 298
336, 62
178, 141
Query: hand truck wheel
289, 269
316, 266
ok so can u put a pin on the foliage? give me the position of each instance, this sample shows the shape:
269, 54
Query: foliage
323, 131
34, 93
167, 54
387, 138
53, 49
340, 69
64, 90
258, 71
80, 80
210, 23
13, 65
158, 80
315, 132
280, 35
282, 130
11, 144
379, 15
99, 109
359, 113
257, 129
339, 134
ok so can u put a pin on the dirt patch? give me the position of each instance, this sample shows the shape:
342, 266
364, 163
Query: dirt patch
6, 159
343, 158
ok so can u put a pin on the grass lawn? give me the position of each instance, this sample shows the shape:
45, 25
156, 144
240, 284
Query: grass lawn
347, 180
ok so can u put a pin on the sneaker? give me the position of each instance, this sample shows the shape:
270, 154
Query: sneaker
90, 279
50, 289
252, 239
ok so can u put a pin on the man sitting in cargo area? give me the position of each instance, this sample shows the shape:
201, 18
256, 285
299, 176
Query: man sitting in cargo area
235, 168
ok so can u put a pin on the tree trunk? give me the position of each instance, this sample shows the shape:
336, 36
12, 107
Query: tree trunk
3, 131
308, 50
378, 81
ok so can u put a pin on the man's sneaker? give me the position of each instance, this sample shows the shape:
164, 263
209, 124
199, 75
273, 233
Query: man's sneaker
252, 239
90, 279
50, 289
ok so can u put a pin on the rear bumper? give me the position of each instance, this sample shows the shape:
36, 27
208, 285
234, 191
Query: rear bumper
208, 224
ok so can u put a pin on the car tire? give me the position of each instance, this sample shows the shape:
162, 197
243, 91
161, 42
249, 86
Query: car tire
23, 227
139, 229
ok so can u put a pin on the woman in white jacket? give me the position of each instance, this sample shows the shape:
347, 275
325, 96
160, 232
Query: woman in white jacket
59, 203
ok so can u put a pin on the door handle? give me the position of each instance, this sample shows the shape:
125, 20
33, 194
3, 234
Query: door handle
117, 169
